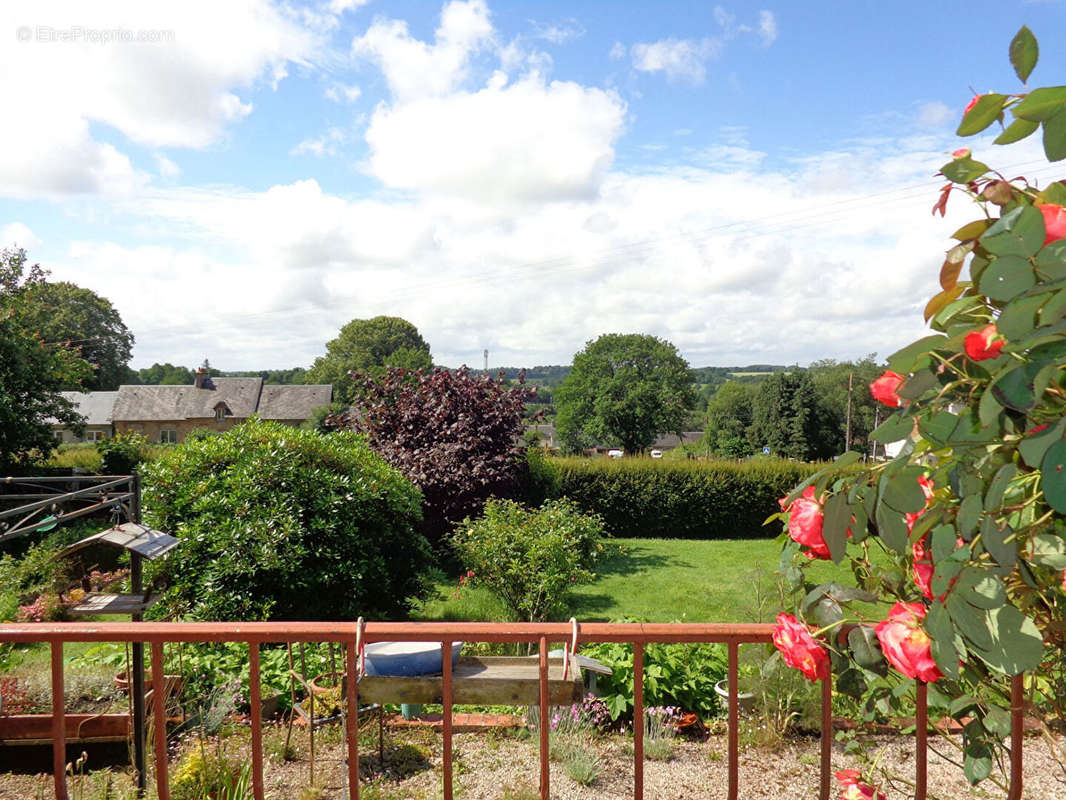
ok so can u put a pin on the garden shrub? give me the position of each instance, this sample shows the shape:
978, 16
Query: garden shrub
121, 454
654, 498
530, 557
681, 675
281, 523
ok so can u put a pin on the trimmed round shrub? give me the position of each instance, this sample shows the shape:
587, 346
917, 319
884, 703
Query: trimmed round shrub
281, 523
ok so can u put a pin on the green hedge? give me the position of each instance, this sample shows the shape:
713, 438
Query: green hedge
659, 499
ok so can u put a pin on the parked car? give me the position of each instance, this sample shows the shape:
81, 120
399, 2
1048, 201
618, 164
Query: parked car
656, 453
615, 454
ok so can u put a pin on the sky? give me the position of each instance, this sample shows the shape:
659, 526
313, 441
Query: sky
749, 181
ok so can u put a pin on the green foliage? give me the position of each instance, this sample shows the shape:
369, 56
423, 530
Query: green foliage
624, 389
367, 346
787, 417
85, 324
121, 454
204, 774
530, 557
659, 498
319, 419
281, 523
32, 373
968, 518
680, 675
728, 420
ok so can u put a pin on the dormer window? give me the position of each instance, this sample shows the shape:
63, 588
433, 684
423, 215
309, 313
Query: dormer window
221, 411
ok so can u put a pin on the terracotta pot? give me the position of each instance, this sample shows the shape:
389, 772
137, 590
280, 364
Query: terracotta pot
328, 682
172, 684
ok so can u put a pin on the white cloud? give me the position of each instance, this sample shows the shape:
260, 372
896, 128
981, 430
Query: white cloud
180, 89
559, 32
338, 7
324, 145
339, 93
16, 234
618, 51
936, 114
415, 69
767, 28
166, 167
677, 58
526, 141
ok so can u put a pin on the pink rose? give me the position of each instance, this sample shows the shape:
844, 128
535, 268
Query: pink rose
962, 152
905, 643
1054, 222
805, 517
884, 389
854, 789
799, 649
983, 344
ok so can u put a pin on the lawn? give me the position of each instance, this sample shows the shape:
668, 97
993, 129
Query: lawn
659, 580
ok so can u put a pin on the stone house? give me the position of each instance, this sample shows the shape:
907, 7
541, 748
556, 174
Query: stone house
96, 408
168, 413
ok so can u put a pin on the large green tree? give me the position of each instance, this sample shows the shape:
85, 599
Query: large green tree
624, 389
83, 322
729, 415
32, 371
368, 346
832, 380
788, 418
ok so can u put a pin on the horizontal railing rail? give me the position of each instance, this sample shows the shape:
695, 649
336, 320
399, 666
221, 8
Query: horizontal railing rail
354, 635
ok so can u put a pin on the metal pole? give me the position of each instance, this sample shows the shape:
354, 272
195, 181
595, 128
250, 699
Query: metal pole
847, 426
137, 679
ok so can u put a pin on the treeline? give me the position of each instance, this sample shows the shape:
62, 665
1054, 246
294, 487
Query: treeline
172, 375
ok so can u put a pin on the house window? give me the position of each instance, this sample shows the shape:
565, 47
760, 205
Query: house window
58, 435
220, 413
168, 436
94, 436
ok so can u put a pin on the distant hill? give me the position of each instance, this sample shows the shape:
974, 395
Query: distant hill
553, 375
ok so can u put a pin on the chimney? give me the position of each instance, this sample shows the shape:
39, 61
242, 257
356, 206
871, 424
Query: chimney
202, 376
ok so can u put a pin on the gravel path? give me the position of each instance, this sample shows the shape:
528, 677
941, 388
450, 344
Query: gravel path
495, 767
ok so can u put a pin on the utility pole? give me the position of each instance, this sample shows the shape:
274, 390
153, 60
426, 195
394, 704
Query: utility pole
486, 362
847, 425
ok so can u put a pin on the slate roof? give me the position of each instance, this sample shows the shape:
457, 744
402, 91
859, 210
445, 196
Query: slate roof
94, 406
293, 402
156, 403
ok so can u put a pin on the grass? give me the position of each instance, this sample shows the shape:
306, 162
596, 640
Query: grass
659, 580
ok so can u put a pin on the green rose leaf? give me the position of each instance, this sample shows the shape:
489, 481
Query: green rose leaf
1019, 317
1016, 642
1055, 308
1053, 476
1052, 260
1025, 224
837, 516
892, 528
1055, 136
1048, 550
986, 110
939, 427
1014, 388
902, 491
938, 626
864, 647
989, 409
1034, 446
978, 763
972, 624
1017, 131
850, 682
1007, 277
997, 722
944, 576
971, 430
943, 542
963, 170
918, 384
1024, 52
982, 589
1040, 104
998, 487
893, 429
997, 542
969, 516
909, 358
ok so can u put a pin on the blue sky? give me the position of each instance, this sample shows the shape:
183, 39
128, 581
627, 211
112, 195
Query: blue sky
751, 182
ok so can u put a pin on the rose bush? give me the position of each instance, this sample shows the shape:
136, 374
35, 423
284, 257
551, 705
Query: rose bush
958, 544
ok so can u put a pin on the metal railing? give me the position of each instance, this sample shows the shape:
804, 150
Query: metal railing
355, 635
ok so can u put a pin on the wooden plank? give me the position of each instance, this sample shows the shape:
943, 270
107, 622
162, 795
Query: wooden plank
479, 681
103, 603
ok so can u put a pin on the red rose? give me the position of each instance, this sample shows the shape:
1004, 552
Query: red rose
923, 568
805, 519
854, 789
884, 389
979, 345
971, 104
905, 643
1054, 222
799, 649
962, 152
